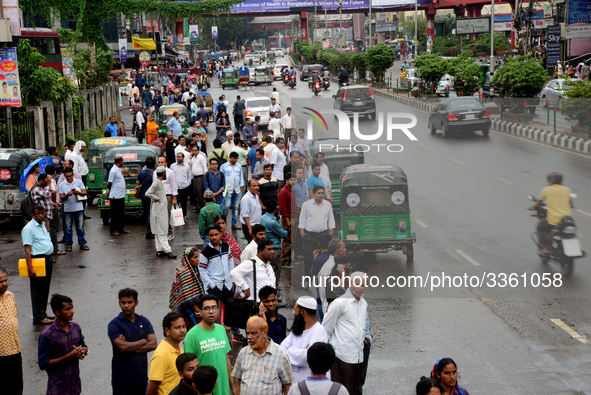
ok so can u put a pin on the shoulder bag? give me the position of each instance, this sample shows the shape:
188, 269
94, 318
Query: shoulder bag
238, 311
138, 189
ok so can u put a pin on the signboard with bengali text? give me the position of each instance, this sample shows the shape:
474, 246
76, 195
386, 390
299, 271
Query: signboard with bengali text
10, 90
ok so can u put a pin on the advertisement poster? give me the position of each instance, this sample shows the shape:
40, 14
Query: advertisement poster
11, 11
579, 11
10, 94
194, 34
145, 58
553, 48
123, 50
214, 32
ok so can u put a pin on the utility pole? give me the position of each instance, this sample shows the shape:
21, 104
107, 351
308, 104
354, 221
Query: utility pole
341, 23
416, 28
528, 36
369, 24
325, 20
492, 37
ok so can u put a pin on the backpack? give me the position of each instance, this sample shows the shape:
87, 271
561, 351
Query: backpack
334, 390
221, 160
27, 204
222, 108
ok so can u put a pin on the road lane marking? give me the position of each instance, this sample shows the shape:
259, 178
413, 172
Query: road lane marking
467, 257
583, 212
424, 146
502, 179
397, 135
457, 161
570, 331
421, 223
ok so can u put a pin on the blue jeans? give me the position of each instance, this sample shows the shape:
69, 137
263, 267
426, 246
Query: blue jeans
77, 218
232, 199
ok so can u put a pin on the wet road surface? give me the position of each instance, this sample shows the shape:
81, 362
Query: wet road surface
468, 200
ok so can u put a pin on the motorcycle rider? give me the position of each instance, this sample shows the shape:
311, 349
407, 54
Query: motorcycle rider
326, 73
315, 78
343, 76
558, 202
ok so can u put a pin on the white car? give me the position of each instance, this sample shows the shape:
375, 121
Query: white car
277, 70
447, 81
256, 61
248, 60
257, 106
278, 53
554, 91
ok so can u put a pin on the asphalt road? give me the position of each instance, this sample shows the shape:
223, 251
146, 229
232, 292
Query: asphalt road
468, 200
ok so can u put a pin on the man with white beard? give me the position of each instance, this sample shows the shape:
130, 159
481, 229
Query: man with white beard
304, 332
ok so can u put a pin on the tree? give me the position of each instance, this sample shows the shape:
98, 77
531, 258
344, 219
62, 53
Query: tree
379, 58
577, 106
229, 29
466, 74
520, 77
483, 44
409, 29
40, 83
89, 73
92, 13
430, 68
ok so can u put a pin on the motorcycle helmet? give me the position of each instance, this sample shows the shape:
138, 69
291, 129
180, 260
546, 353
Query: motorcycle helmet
555, 178
326, 68
139, 73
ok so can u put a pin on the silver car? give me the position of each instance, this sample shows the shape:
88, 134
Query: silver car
554, 91
446, 82
257, 106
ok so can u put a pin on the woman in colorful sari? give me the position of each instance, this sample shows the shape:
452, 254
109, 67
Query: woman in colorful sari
446, 372
235, 250
151, 130
187, 288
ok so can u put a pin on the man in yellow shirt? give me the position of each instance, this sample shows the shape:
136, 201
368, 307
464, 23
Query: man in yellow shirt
558, 203
163, 376
4, 94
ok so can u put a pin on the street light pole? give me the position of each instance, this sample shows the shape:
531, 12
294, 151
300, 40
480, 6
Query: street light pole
341, 23
369, 24
492, 37
416, 27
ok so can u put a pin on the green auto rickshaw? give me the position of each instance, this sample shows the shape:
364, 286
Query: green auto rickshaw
271, 57
97, 148
375, 212
338, 154
230, 78
134, 161
164, 114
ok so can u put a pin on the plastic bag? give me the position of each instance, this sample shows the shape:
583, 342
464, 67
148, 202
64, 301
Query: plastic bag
176, 214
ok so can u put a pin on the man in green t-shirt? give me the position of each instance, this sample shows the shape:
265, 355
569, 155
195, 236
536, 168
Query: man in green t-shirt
209, 341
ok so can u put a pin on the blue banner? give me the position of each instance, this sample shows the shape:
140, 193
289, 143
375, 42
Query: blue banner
579, 11
553, 47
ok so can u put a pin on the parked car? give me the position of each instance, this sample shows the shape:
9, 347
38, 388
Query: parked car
277, 70
410, 79
355, 99
445, 83
459, 114
554, 91
257, 106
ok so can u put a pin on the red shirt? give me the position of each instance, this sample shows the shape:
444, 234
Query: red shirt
287, 204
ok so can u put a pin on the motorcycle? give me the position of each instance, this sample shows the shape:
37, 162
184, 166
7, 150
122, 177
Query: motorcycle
285, 78
292, 81
325, 83
316, 88
344, 83
562, 243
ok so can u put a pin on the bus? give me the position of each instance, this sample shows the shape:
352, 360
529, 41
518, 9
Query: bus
287, 40
46, 41
272, 42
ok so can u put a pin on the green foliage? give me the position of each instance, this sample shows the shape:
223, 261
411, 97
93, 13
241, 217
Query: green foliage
430, 68
228, 30
92, 13
40, 83
88, 74
523, 76
379, 58
483, 44
325, 55
443, 45
577, 106
358, 61
466, 75
409, 29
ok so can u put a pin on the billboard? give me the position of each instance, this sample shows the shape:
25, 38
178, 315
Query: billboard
579, 11
10, 93
582, 31
123, 50
214, 32
303, 5
194, 34
472, 25
553, 46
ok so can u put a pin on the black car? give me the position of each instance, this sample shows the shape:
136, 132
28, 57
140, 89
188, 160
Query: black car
355, 99
460, 114
307, 70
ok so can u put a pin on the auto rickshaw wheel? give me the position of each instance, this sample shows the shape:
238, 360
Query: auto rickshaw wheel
432, 127
223, 87
410, 254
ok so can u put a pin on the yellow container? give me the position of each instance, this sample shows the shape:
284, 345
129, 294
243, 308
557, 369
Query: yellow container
38, 267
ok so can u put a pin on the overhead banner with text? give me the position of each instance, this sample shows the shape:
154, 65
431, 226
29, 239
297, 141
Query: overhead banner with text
302, 5
143, 43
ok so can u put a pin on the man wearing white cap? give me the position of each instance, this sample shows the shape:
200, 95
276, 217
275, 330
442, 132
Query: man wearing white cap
304, 332
159, 213
345, 324
229, 144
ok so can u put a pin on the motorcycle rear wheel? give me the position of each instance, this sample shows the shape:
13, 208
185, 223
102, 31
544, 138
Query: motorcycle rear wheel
568, 265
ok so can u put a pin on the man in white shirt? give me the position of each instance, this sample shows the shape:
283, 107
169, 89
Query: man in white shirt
274, 107
182, 146
232, 172
279, 160
289, 124
345, 324
250, 251
316, 217
198, 170
275, 95
336, 248
229, 144
275, 125
182, 171
170, 188
185, 97
306, 330
242, 275
250, 209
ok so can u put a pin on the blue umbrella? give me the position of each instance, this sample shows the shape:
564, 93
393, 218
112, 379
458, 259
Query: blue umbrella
43, 163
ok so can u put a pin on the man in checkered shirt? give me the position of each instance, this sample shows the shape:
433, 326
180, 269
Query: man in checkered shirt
262, 368
42, 195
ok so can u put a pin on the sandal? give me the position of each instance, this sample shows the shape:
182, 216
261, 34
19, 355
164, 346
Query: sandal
85, 247
69, 248
60, 253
